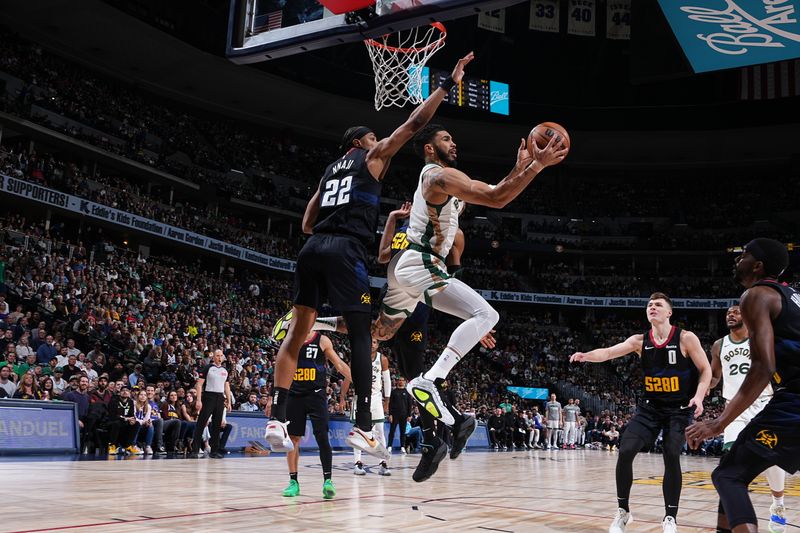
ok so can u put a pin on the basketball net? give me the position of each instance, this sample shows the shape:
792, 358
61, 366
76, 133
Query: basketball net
398, 60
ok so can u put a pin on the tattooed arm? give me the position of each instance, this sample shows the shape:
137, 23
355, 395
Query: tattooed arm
442, 182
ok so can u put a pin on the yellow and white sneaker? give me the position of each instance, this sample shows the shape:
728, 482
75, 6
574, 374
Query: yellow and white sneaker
426, 394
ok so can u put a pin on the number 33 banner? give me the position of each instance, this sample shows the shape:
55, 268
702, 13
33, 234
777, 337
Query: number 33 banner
544, 15
580, 17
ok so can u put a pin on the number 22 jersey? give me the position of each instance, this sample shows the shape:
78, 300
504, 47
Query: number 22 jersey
349, 198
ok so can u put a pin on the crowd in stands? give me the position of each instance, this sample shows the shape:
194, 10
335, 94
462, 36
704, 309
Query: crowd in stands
188, 143
145, 326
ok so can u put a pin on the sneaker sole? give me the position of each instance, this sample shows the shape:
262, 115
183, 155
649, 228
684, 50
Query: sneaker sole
468, 431
277, 443
359, 444
437, 458
426, 401
328, 494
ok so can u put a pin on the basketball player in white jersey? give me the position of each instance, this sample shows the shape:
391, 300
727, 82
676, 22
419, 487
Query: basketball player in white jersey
381, 390
730, 362
420, 274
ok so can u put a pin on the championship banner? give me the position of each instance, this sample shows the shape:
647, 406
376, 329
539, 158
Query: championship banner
544, 16
721, 34
581, 17
37, 193
493, 20
618, 19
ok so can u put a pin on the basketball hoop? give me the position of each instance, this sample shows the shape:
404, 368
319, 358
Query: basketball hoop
398, 58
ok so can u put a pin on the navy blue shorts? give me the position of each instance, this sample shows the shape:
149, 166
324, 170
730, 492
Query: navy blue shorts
314, 405
774, 433
411, 340
333, 268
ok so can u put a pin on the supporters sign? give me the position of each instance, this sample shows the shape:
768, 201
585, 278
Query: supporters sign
720, 34
32, 191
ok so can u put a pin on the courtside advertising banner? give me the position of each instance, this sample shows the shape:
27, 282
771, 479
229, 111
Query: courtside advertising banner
720, 34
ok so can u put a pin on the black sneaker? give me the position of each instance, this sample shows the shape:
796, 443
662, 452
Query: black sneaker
216, 455
432, 455
461, 434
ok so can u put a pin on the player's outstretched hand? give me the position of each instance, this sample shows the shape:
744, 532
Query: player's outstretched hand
551, 154
458, 70
402, 212
698, 432
577, 357
488, 341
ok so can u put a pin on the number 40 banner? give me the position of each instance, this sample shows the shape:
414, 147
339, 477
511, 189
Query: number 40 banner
580, 17
544, 15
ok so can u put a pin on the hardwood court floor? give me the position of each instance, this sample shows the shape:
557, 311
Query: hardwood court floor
564, 491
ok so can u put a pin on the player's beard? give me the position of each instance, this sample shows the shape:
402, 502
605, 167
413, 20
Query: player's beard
445, 158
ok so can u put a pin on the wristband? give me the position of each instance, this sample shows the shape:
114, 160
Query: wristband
448, 84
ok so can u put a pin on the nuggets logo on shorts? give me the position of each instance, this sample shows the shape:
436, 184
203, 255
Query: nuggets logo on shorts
366, 298
767, 438
416, 336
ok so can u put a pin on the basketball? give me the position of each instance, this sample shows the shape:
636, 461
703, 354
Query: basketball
542, 133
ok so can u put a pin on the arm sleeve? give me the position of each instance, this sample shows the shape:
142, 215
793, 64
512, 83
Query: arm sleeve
387, 383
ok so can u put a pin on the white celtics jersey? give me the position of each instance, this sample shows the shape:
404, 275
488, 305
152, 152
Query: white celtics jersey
377, 382
735, 359
430, 226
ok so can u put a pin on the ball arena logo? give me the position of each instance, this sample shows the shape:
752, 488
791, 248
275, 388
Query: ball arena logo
722, 34
767, 438
741, 29
498, 96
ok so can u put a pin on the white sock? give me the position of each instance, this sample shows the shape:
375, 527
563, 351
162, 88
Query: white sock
777, 500
357, 455
447, 360
325, 323
776, 478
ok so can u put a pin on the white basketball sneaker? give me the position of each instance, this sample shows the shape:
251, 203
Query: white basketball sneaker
358, 469
364, 441
777, 518
384, 470
426, 394
668, 525
278, 437
621, 520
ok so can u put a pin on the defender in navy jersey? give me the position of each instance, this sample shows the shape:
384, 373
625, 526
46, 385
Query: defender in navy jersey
308, 396
771, 312
676, 377
342, 217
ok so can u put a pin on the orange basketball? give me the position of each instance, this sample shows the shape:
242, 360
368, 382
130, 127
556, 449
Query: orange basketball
543, 132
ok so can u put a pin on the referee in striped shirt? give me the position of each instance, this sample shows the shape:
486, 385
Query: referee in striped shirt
213, 397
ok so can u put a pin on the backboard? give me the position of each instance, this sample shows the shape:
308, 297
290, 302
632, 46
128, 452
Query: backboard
260, 30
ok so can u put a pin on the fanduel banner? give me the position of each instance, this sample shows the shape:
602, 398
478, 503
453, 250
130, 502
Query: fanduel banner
31, 191
250, 427
601, 301
32, 426
720, 34
529, 393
